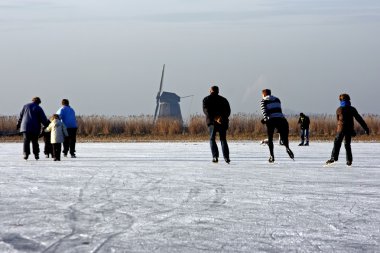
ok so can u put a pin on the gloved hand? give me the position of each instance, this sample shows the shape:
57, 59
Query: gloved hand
367, 131
264, 121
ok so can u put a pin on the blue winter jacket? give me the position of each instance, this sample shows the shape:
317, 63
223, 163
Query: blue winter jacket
67, 115
31, 118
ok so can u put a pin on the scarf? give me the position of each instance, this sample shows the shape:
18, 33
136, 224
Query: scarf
345, 103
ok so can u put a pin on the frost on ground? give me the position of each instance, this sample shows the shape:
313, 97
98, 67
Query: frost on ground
169, 197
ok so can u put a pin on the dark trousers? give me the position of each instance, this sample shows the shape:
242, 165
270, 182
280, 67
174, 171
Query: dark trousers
28, 137
48, 149
57, 147
304, 135
213, 129
282, 126
338, 143
69, 143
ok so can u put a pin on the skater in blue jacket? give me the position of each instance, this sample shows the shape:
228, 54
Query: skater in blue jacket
67, 115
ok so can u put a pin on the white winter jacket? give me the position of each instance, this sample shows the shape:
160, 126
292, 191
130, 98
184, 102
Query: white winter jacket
58, 131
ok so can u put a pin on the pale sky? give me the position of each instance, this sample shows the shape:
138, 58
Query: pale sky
106, 56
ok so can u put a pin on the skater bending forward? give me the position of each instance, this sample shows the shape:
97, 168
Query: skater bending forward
274, 119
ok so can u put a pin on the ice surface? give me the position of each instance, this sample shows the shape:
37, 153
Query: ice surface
169, 197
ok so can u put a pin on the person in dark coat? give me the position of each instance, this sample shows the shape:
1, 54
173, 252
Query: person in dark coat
345, 115
29, 124
274, 119
304, 122
217, 110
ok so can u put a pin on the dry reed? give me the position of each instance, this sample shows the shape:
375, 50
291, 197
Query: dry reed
241, 127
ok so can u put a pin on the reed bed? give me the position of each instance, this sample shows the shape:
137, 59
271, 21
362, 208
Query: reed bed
142, 128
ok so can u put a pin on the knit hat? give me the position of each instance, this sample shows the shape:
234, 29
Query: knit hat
344, 97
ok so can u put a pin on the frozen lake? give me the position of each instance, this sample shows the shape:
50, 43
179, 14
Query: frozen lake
169, 197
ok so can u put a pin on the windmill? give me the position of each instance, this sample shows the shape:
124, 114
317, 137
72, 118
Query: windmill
167, 103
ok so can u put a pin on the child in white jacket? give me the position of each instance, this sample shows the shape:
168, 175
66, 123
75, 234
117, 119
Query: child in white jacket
58, 133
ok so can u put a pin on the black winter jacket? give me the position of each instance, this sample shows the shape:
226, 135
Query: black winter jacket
215, 106
304, 122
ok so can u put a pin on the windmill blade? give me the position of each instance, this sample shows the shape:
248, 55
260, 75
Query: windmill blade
187, 96
162, 79
158, 94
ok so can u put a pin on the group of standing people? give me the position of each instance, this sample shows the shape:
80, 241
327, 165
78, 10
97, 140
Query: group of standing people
217, 111
61, 128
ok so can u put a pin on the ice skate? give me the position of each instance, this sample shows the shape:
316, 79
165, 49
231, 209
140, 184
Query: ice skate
330, 161
290, 153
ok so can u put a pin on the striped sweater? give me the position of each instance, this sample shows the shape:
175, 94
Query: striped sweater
271, 107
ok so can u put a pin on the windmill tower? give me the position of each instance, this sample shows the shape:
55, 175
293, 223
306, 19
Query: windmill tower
167, 103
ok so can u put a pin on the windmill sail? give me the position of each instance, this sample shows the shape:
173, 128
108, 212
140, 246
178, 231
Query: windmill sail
159, 94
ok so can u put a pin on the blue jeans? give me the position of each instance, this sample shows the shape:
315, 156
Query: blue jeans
304, 135
213, 129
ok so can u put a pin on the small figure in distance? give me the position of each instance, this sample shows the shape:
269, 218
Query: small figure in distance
304, 122
58, 133
29, 124
274, 119
345, 115
217, 111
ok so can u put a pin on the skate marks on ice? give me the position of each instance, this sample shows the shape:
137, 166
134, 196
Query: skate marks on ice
96, 217
162, 204
21, 243
98, 222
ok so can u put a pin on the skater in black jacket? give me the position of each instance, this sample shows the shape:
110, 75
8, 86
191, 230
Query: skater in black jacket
304, 123
217, 110
345, 115
274, 119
